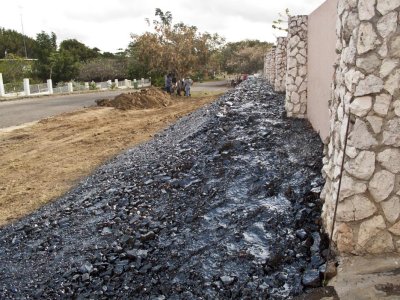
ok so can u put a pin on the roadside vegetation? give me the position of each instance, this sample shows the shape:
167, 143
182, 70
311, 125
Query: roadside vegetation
166, 47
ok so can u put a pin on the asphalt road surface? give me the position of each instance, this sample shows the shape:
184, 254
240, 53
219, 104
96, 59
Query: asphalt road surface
18, 112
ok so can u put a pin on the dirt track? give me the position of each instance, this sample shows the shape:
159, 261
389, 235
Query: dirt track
41, 162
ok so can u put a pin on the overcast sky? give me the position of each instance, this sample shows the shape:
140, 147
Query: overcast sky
108, 24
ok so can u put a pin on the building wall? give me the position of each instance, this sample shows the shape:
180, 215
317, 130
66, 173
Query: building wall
296, 74
365, 113
321, 59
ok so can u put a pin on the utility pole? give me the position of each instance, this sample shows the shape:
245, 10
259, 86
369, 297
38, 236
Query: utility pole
23, 34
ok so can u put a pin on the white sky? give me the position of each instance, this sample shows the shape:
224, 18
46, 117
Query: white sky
108, 24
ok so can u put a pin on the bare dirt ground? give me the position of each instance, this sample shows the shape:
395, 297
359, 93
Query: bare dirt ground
42, 161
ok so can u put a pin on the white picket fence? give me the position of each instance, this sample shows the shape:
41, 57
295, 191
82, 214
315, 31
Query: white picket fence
26, 89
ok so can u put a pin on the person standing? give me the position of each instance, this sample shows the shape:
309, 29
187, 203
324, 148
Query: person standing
168, 83
187, 84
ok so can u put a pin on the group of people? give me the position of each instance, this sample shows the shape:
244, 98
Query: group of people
173, 85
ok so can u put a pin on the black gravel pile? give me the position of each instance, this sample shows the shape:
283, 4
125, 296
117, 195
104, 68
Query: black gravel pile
222, 205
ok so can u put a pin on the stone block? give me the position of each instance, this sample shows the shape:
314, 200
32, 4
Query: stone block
392, 82
387, 24
360, 136
367, 38
369, 229
370, 85
376, 123
391, 134
363, 166
386, 6
345, 239
355, 208
387, 67
382, 103
369, 63
381, 185
391, 209
390, 159
366, 9
395, 229
350, 187
361, 106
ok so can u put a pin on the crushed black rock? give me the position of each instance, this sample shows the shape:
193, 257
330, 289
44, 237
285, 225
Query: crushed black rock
222, 205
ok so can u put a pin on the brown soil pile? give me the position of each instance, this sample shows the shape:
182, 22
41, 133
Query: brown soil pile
145, 99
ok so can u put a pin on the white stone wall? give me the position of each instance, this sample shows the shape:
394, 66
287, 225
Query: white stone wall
270, 66
296, 78
366, 88
280, 65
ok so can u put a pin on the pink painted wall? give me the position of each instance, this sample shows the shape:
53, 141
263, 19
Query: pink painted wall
321, 57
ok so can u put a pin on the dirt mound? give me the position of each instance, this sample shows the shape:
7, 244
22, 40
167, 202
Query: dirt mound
146, 98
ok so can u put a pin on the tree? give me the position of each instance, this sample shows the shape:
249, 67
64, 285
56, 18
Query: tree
101, 69
282, 21
244, 56
12, 42
79, 51
176, 48
47, 48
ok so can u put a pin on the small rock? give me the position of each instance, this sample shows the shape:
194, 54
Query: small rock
301, 234
311, 278
148, 236
227, 279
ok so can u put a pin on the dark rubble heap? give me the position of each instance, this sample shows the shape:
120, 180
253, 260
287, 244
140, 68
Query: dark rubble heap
222, 205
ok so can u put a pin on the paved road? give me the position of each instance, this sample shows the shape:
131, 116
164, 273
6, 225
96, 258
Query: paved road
17, 112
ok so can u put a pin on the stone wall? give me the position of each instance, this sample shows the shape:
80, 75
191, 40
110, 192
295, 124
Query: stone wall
366, 90
270, 66
280, 65
296, 78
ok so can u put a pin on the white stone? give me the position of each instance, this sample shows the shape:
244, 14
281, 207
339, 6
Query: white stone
351, 151
303, 86
355, 208
351, 77
302, 70
376, 123
387, 67
393, 82
303, 97
382, 103
303, 108
367, 38
396, 106
301, 59
390, 159
303, 52
361, 106
369, 229
361, 137
385, 6
350, 187
349, 53
395, 47
363, 166
295, 98
383, 50
381, 243
391, 208
369, 63
381, 185
298, 80
366, 9
395, 229
371, 84
387, 24
391, 134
